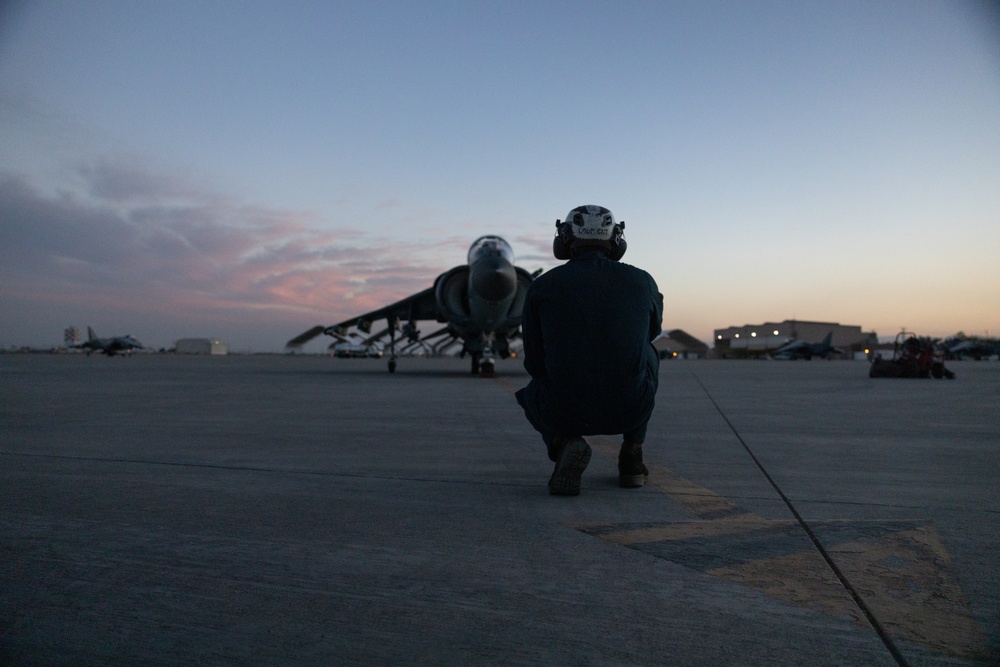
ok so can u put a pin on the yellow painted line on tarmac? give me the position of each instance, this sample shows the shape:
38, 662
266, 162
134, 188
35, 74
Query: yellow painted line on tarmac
696, 499
910, 585
802, 579
905, 576
684, 530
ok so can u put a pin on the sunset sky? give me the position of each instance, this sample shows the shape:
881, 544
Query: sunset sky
245, 170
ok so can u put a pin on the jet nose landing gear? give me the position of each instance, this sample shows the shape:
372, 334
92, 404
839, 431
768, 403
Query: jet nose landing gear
482, 365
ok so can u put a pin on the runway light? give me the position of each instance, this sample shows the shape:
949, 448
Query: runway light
737, 335
753, 334
775, 332
675, 354
719, 337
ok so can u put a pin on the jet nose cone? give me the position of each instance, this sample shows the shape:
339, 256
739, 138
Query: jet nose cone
493, 278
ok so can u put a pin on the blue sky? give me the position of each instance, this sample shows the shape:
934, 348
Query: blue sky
245, 170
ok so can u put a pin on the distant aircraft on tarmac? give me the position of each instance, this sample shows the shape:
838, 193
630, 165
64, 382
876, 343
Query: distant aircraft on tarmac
799, 349
971, 348
480, 302
109, 346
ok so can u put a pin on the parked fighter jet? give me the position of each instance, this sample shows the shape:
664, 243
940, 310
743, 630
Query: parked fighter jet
480, 302
799, 349
109, 346
971, 348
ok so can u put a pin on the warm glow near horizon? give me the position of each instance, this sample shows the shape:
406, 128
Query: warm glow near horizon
832, 162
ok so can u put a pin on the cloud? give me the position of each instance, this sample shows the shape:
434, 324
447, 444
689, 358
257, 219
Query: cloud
388, 204
131, 180
140, 242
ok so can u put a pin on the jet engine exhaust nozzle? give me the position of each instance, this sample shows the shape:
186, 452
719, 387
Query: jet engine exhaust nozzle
494, 278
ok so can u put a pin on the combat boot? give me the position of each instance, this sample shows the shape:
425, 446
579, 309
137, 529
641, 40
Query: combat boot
574, 455
632, 473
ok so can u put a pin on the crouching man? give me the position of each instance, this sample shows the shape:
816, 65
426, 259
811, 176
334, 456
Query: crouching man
588, 327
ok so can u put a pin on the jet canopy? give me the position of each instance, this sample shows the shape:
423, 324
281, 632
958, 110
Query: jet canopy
487, 246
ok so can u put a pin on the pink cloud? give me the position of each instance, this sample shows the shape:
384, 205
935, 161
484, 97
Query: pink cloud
161, 248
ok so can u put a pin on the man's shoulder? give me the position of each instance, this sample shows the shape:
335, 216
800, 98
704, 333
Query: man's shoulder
571, 270
636, 273
631, 268
550, 275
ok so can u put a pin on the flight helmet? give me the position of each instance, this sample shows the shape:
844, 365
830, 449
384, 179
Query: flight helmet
589, 227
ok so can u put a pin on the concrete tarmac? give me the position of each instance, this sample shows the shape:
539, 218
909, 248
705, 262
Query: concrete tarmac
311, 511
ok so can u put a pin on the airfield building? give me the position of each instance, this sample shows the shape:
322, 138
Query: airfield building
761, 340
678, 344
201, 346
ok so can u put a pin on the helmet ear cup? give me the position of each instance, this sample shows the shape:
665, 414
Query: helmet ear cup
618, 251
562, 241
618, 244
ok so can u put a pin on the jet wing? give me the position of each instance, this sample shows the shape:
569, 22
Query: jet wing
419, 306
305, 336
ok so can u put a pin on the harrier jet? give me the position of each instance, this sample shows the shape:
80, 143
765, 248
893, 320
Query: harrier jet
109, 346
799, 349
479, 302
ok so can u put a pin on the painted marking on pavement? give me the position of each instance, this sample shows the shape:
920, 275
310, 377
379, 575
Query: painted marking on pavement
901, 568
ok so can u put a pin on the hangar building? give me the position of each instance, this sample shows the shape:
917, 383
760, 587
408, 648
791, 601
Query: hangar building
678, 344
757, 340
201, 346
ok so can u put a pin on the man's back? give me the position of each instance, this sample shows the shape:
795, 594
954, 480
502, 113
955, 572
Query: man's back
587, 330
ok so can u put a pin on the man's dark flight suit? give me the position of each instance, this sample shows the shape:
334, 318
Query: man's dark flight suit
587, 329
